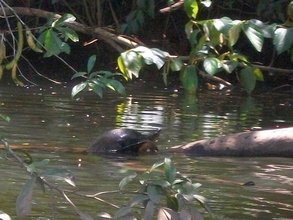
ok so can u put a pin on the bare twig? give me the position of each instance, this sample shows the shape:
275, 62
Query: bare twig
274, 69
172, 7
215, 78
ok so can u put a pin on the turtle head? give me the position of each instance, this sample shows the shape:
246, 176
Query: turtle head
147, 147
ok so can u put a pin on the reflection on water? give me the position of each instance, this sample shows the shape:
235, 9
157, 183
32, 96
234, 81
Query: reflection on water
48, 120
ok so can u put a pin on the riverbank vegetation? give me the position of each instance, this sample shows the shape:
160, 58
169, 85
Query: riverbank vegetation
221, 45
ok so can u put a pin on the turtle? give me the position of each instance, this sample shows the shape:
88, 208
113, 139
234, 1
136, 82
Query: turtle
125, 141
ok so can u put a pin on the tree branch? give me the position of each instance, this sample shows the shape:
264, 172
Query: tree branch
274, 69
172, 7
115, 40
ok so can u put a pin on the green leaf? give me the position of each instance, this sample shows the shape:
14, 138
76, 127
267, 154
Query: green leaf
193, 37
63, 19
122, 212
97, 88
258, 74
79, 74
68, 33
170, 170
188, 29
149, 211
229, 65
234, 33
122, 67
64, 47
203, 201
162, 183
191, 8
176, 64
283, 39
138, 199
154, 193
117, 86
189, 79
159, 57
223, 24
24, 199
254, 34
132, 62
127, 180
211, 65
91, 63
156, 165
151, 56
52, 43
236, 57
188, 188
78, 88
248, 79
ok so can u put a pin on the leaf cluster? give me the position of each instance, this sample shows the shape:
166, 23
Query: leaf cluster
213, 43
162, 190
53, 36
97, 81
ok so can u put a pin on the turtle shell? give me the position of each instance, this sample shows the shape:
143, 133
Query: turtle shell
124, 140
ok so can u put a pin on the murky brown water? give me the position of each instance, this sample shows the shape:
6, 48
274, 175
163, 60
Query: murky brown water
48, 120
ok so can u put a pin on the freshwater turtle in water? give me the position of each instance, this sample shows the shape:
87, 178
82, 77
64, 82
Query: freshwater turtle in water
125, 141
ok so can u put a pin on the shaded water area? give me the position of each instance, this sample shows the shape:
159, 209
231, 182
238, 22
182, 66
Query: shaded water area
51, 125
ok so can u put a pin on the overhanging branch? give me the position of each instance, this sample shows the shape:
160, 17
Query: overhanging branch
115, 40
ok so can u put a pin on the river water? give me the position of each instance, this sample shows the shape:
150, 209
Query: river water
49, 124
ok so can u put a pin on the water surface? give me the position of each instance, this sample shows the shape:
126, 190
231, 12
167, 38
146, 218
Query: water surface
51, 125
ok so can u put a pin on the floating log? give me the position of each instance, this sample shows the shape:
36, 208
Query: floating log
275, 142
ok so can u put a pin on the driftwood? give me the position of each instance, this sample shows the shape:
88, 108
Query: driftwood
276, 142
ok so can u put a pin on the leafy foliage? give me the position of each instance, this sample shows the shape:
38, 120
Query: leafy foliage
162, 190
54, 35
213, 44
132, 61
97, 81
